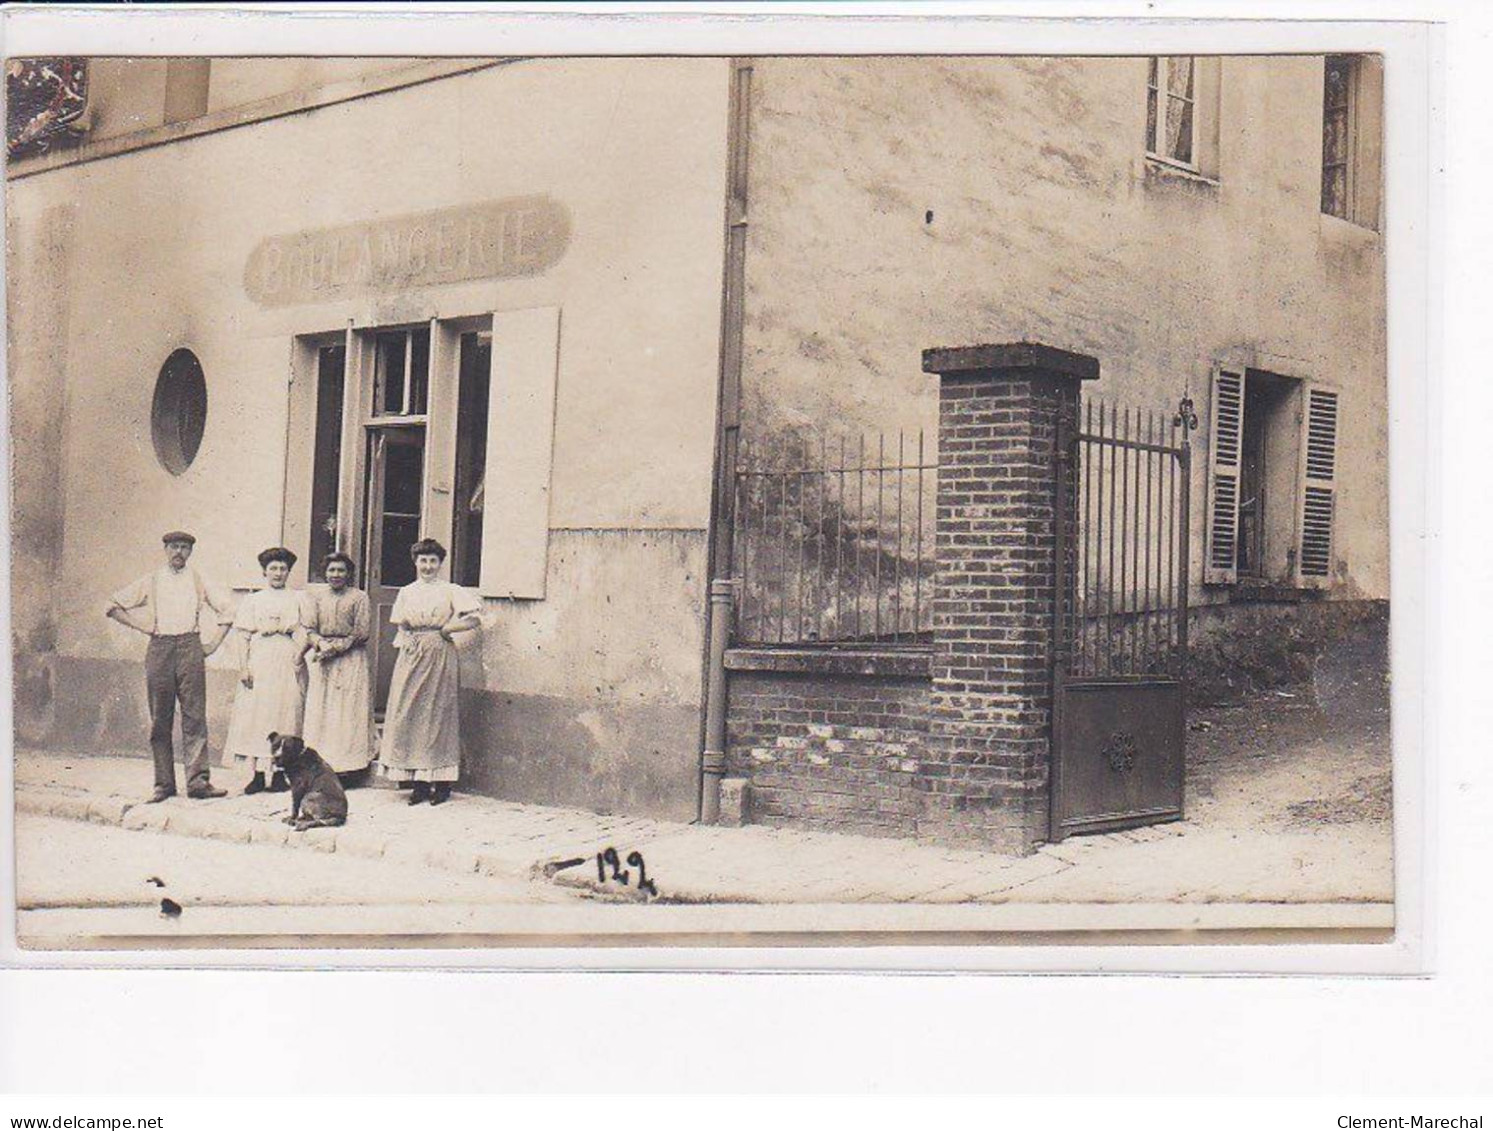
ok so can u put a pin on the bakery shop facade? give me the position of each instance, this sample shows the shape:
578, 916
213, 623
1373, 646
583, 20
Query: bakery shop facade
474, 301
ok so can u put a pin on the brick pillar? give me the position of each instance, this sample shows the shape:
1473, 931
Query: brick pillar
986, 776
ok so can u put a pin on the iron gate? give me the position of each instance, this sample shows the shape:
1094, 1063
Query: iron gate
1120, 655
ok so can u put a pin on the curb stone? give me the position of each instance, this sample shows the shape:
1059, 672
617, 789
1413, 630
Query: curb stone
497, 864
452, 860
67, 807
28, 802
195, 822
529, 859
613, 892
109, 810
317, 840
579, 878
357, 842
276, 835
145, 818
126, 813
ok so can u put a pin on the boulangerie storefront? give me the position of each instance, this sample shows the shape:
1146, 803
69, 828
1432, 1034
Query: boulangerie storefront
483, 307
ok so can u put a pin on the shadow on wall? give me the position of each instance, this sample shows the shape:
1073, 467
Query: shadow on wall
608, 757
34, 683
98, 705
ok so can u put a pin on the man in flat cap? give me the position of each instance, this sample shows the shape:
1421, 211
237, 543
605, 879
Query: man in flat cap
167, 607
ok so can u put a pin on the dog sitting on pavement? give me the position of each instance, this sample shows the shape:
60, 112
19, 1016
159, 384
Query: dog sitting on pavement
317, 799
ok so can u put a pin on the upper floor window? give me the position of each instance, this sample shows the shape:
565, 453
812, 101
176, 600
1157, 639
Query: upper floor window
1352, 120
1182, 112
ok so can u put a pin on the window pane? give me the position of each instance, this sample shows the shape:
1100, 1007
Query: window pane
1335, 137
398, 535
1337, 140
178, 411
1151, 71
419, 371
471, 459
1335, 191
1179, 75
402, 474
1335, 82
193, 419
1179, 130
328, 454
390, 375
1151, 146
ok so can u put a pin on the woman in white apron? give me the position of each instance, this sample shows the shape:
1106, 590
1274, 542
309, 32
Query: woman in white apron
271, 694
422, 726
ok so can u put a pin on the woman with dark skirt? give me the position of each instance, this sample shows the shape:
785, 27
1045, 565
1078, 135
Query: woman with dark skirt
422, 726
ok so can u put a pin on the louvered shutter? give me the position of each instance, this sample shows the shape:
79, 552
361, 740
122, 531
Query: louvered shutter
1225, 435
1319, 490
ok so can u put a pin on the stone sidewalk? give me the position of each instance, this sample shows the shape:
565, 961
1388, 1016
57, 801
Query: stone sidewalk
1181, 862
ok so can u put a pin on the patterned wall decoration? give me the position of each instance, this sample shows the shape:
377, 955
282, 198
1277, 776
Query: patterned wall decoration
44, 99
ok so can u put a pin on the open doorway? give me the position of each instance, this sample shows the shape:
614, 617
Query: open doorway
399, 417
1267, 477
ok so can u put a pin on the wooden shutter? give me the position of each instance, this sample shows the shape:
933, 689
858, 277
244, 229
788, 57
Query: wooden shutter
440, 432
1319, 489
357, 406
520, 448
1368, 141
1225, 438
1207, 114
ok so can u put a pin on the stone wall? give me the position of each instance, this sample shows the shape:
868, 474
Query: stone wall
1246, 647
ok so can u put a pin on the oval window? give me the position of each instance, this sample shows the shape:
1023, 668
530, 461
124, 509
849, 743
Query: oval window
178, 414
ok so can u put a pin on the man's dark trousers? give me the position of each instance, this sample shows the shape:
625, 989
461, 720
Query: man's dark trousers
175, 670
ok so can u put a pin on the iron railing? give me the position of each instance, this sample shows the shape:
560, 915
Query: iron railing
1125, 544
834, 545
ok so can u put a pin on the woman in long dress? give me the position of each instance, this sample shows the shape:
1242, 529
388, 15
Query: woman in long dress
272, 672
339, 696
422, 727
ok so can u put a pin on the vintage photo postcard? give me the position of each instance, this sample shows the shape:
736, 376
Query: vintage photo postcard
730, 498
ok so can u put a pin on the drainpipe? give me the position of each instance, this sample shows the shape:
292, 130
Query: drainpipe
713, 757
728, 424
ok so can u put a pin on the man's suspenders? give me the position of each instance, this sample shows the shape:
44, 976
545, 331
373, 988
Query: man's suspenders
155, 600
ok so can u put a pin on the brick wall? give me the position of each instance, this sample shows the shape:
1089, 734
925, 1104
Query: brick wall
1245, 648
992, 684
961, 753
839, 751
